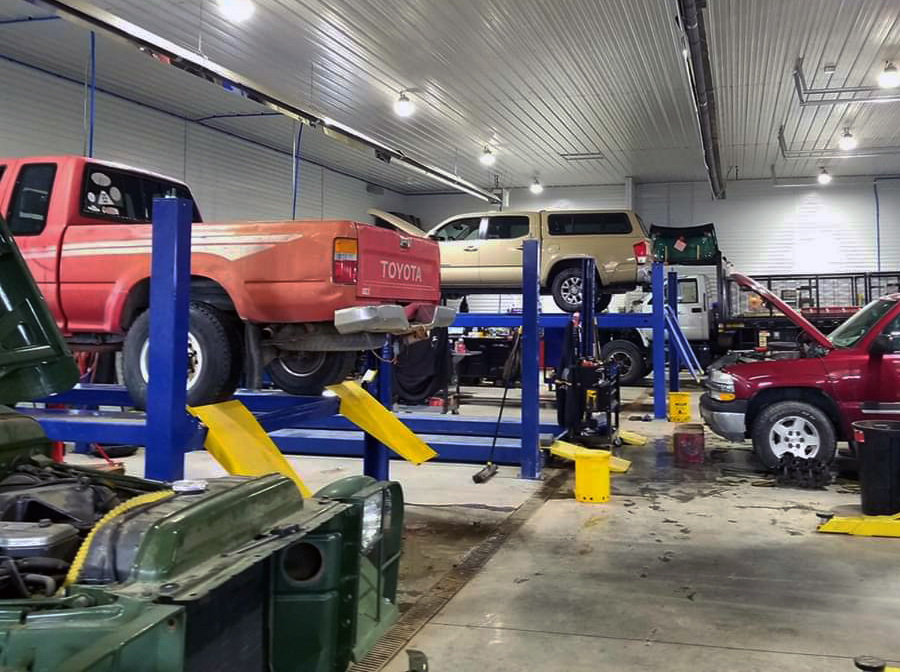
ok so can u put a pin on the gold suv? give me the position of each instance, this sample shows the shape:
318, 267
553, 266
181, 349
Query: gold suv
482, 252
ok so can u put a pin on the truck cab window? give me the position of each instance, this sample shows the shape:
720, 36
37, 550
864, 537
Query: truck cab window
687, 291
459, 229
892, 331
30, 200
506, 228
126, 196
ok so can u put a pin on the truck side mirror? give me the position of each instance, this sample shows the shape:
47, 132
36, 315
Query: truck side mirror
880, 345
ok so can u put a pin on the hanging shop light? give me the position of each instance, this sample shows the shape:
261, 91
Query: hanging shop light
824, 176
889, 77
536, 186
237, 10
487, 157
847, 142
404, 107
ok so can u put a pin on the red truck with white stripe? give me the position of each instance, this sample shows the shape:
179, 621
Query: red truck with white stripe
300, 298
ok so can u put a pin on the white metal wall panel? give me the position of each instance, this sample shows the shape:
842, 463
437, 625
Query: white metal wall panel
347, 198
39, 114
764, 229
889, 202
138, 136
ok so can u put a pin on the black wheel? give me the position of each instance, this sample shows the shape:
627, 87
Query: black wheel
566, 291
792, 427
309, 372
628, 358
211, 357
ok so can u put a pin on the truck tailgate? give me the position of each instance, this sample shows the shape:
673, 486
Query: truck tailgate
397, 267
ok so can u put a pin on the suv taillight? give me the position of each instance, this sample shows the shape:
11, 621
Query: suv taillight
346, 261
641, 252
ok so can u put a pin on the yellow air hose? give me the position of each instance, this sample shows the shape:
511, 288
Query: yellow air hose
81, 556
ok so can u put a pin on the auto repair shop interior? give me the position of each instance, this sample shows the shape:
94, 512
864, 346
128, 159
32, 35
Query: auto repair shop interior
499, 335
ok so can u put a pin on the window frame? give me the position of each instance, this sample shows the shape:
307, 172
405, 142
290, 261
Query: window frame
884, 332
623, 213
489, 218
15, 191
477, 230
143, 177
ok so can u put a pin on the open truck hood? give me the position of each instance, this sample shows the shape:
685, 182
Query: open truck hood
778, 304
398, 223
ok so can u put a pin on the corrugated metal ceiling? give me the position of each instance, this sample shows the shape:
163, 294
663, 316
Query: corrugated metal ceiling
531, 78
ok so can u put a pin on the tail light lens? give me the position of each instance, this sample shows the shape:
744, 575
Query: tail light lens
346, 261
641, 252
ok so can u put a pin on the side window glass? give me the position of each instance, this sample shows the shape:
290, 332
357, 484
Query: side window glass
589, 224
505, 228
892, 331
687, 291
459, 229
112, 194
30, 200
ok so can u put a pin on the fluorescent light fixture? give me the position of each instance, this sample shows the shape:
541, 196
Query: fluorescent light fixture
237, 10
536, 186
487, 157
824, 177
847, 142
889, 77
404, 107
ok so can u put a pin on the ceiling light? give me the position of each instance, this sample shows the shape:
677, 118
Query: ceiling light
487, 157
889, 77
847, 142
824, 177
404, 107
536, 186
237, 10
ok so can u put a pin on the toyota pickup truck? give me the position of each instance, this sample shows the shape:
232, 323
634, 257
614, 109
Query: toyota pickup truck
301, 298
482, 252
803, 398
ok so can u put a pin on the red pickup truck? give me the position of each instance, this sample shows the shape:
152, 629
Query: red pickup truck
308, 295
802, 398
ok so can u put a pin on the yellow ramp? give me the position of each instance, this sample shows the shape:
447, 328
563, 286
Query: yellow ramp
240, 445
863, 526
367, 413
570, 451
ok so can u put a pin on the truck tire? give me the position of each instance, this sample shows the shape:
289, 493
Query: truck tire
629, 359
211, 355
792, 427
308, 372
566, 291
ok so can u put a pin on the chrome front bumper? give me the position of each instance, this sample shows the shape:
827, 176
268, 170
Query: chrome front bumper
727, 419
392, 319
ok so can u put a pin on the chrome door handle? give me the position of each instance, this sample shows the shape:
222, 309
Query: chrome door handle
521, 247
470, 249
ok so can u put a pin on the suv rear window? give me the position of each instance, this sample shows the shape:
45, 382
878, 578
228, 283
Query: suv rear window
27, 215
588, 223
124, 196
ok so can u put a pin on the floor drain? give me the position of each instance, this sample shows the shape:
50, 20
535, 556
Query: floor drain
427, 606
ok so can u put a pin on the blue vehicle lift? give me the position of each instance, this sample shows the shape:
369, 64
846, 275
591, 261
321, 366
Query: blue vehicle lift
298, 425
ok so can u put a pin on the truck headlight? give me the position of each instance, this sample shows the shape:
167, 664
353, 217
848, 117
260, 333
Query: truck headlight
720, 385
373, 512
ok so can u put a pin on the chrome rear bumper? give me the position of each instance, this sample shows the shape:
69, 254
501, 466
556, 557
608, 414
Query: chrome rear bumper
392, 319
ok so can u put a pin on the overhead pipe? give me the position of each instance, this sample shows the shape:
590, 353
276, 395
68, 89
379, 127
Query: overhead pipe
169, 53
807, 154
700, 76
804, 92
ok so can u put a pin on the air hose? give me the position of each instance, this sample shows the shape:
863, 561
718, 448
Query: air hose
113, 513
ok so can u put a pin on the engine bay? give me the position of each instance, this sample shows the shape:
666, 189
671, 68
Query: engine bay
46, 512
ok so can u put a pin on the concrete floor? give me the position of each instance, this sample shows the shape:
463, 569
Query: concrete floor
691, 568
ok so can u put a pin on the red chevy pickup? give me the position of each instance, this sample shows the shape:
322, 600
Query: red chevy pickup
302, 298
801, 398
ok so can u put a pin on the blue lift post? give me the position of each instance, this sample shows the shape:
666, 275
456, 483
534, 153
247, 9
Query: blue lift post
530, 459
169, 428
375, 453
659, 342
588, 304
674, 361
